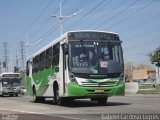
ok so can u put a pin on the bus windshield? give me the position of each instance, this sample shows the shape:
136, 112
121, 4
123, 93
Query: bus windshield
10, 82
94, 57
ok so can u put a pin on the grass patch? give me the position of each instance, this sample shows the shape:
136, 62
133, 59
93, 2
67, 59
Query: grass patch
146, 87
149, 89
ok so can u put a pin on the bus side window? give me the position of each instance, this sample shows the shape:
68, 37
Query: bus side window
48, 58
27, 68
33, 67
55, 59
37, 61
42, 60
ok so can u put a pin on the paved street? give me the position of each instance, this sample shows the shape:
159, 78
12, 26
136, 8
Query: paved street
79, 109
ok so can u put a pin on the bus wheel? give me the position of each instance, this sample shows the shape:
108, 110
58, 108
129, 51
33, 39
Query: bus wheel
102, 101
11, 95
42, 99
58, 100
1, 95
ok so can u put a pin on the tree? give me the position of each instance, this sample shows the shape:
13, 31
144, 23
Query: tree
155, 57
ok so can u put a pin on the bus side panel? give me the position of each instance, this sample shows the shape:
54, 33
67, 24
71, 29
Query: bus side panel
42, 81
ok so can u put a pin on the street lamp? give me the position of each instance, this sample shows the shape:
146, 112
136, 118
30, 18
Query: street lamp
60, 17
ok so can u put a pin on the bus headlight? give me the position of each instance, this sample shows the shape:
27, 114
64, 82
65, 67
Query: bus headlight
72, 78
121, 79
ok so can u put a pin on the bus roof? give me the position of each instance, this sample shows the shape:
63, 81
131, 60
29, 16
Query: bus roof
93, 31
9, 73
61, 38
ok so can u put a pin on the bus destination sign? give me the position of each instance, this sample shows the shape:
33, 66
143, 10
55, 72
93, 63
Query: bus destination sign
92, 36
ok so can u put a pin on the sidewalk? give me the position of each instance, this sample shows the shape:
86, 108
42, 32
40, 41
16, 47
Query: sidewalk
145, 95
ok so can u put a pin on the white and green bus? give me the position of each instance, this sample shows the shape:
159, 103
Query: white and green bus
9, 83
78, 64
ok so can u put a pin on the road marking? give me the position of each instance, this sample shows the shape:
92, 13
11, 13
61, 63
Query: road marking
44, 114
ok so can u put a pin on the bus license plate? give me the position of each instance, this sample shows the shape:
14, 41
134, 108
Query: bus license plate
99, 91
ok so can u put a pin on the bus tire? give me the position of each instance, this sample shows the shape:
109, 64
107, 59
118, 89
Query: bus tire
58, 100
102, 101
11, 95
42, 99
1, 95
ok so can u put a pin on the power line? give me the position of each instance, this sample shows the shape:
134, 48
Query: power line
82, 6
81, 3
89, 12
37, 18
51, 30
143, 34
137, 11
100, 8
61, 17
139, 46
43, 25
142, 23
105, 5
118, 13
110, 11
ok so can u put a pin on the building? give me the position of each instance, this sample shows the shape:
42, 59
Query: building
143, 74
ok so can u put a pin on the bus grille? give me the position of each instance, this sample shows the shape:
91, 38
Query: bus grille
93, 92
103, 84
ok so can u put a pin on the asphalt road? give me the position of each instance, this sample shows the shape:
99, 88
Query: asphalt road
26, 109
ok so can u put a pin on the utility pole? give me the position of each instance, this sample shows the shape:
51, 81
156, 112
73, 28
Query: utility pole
60, 17
17, 61
5, 62
16, 64
22, 52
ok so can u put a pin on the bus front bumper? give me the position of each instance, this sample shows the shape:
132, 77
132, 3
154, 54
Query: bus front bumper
75, 90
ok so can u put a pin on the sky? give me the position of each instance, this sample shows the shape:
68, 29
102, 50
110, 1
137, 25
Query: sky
136, 21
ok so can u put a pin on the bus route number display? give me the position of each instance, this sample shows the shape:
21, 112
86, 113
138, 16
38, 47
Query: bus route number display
92, 36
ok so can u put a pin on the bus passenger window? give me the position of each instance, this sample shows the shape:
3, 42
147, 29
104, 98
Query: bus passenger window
48, 58
55, 59
42, 60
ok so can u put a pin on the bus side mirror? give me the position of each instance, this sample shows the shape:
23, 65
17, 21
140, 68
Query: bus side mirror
56, 69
